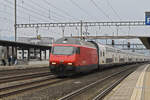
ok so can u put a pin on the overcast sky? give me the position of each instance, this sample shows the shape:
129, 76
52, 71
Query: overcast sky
38, 11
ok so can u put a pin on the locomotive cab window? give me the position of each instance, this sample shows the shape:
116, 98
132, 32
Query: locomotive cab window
78, 50
63, 50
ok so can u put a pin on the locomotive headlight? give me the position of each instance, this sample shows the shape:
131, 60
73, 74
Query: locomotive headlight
53, 63
70, 64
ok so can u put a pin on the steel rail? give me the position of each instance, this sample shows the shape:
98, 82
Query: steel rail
107, 90
13, 90
22, 71
23, 77
68, 96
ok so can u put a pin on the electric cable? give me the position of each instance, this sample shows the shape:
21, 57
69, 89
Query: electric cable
115, 12
78, 6
100, 10
61, 10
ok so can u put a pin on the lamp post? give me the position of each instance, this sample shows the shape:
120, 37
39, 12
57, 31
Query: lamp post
15, 28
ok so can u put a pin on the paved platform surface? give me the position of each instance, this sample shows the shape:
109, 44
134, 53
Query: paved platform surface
31, 64
135, 87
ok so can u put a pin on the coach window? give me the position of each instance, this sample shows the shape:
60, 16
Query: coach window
103, 54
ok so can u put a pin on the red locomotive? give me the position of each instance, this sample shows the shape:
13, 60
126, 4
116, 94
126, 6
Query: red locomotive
69, 56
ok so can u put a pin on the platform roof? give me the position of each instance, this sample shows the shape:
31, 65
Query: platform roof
145, 41
23, 45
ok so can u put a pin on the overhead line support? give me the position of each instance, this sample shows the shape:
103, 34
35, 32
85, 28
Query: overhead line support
79, 24
15, 25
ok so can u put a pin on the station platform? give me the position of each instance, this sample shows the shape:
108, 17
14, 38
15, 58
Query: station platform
31, 64
135, 87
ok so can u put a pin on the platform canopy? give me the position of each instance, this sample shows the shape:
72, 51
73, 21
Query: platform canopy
145, 41
23, 45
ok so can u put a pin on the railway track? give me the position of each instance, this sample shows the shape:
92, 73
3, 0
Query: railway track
102, 94
103, 86
5, 73
14, 82
23, 77
17, 83
49, 80
19, 88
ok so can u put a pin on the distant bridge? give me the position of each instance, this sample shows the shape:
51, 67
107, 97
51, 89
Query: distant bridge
107, 37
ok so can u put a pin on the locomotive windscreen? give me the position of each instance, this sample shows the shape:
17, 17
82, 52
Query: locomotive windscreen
63, 50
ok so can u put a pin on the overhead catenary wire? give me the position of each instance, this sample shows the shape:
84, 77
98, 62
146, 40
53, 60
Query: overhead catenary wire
61, 10
45, 12
5, 18
30, 10
43, 17
9, 14
58, 16
78, 6
100, 10
39, 6
27, 11
10, 19
115, 12
37, 12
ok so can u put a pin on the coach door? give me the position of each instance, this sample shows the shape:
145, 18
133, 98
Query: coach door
103, 56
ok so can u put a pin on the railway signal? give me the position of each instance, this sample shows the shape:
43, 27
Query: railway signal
113, 42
